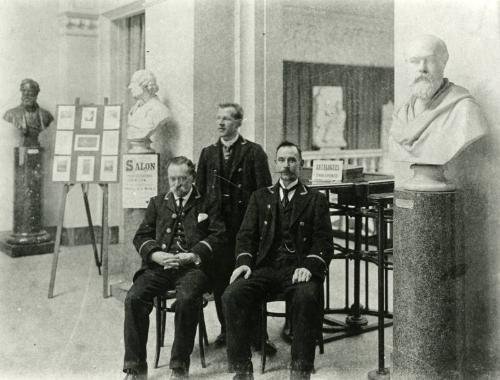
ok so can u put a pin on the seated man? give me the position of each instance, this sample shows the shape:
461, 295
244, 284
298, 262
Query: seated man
285, 244
178, 238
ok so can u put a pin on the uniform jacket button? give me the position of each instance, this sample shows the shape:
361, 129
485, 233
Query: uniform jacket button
169, 230
301, 223
305, 239
240, 185
163, 246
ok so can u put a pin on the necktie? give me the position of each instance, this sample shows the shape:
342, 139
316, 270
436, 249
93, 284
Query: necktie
228, 150
179, 209
285, 199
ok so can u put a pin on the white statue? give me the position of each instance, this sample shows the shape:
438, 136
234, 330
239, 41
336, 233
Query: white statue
439, 120
147, 114
330, 118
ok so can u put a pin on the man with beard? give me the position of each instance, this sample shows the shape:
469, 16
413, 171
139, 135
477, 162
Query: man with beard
284, 245
440, 118
179, 237
29, 118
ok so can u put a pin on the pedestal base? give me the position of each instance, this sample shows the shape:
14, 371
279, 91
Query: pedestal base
376, 375
19, 250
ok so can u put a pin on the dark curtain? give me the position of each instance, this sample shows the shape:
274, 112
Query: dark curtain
365, 90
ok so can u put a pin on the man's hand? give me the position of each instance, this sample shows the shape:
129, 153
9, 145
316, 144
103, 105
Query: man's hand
244, 269
301, 275
165, 259
186, 258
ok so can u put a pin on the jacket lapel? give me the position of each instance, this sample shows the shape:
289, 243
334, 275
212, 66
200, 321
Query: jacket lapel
301, 199
240, 150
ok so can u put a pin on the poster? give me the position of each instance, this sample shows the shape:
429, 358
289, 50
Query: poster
89, 118
61, 168
109, 169
112, 116
110, 142
139, 179
85, 168
64, 142
87, 142
66, 117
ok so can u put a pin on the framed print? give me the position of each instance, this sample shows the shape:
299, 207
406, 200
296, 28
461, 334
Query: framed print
89, 117
66, 117
112, 115
61, 169
85, 168
109, 169
110, 142
87, 142
64, 142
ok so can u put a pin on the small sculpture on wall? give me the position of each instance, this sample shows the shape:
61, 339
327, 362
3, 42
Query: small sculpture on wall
328, 117
438, 121
29, 117
147, 114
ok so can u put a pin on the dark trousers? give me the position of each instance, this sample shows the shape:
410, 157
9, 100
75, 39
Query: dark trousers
223, 267
243, 297
190, 284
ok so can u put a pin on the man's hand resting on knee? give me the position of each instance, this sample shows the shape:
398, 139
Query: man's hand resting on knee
165, 259
301, 275
242, 270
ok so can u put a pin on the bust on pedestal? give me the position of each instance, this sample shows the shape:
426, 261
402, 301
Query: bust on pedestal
436, 124
147, 114
28, 236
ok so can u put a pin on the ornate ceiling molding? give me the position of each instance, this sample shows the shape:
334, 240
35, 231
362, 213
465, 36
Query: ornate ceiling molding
78, 24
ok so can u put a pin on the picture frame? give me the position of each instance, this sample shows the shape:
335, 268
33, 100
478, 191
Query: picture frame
87, 143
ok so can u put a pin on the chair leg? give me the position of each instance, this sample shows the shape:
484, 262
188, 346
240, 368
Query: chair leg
263, 330
159, 331
163, 320
201, 336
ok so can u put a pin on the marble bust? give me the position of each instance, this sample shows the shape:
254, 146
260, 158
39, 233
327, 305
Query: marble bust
29, 117
147, 114
438, 121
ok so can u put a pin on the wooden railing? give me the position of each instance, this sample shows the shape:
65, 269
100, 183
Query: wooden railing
369, 159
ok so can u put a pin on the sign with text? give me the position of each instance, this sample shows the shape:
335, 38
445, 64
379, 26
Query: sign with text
140, 179
327, 171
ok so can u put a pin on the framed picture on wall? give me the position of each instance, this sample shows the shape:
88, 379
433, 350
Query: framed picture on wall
89, 117
112, 116
85, 168
87, 142
66, 117
109, 169
61, 168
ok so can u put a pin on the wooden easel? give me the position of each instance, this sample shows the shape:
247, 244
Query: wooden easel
100, 260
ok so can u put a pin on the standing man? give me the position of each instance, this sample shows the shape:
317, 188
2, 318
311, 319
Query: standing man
285, 244
180, 235
229, 171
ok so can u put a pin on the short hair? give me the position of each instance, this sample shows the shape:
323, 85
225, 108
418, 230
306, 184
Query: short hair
288, 143
31, 82
146, 79
181, 160
238, 110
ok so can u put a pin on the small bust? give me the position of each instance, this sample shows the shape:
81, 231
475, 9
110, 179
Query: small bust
29, 117
147, 114
440, 118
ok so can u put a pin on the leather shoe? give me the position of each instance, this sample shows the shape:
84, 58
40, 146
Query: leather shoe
243, 376
178, 374
220, 341
269, 348
136, 376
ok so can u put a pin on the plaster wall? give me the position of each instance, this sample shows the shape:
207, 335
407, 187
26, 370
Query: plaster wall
471, 30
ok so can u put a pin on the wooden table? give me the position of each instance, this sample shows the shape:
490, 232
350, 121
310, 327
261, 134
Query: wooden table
351, 198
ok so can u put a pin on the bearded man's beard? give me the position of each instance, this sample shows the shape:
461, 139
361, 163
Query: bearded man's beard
424, 86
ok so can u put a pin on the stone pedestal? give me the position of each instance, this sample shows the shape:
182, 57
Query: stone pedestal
28, 237
427, 278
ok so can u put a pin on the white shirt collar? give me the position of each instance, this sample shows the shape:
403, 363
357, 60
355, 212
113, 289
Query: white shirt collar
291, 184
185, 198
228, 144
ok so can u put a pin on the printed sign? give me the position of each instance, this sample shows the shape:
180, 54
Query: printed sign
327, 171
140, 179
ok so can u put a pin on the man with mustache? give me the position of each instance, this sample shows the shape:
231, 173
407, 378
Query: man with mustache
285, 244
29, 117
440, 118
229, 171
179, 237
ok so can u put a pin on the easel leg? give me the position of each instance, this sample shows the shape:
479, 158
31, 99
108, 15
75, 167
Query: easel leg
62, 206
85, 189
104, 240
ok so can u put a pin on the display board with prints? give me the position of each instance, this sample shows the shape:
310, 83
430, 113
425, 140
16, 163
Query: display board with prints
87, 144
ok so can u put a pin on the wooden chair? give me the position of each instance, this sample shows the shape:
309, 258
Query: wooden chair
162, 308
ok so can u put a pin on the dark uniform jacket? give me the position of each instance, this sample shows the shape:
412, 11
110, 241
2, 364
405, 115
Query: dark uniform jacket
249, 171
203, 227
310, 229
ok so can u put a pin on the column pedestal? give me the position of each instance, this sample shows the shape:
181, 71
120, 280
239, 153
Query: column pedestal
426, 282
28, 237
